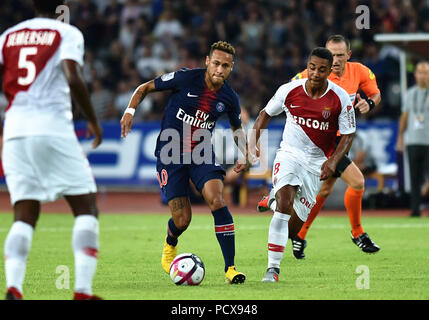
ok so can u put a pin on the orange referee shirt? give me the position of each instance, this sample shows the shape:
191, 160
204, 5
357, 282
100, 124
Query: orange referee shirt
355, 76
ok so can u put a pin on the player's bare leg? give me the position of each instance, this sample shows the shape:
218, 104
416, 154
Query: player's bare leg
17, 246
181, 215
224, 228
181, 212
355, 180
85, 243
27, 211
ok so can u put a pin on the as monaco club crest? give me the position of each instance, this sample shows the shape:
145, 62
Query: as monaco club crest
326, 112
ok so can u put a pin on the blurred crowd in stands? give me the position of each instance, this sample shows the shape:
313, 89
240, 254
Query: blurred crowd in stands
129, 42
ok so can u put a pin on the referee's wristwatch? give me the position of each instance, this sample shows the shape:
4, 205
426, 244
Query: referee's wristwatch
371, 103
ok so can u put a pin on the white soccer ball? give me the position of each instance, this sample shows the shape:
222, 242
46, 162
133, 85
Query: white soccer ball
187, 269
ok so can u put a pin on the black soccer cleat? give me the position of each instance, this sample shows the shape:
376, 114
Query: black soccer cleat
298, 246
365, 243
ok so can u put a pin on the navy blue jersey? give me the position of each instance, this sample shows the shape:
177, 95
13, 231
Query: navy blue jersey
192, 103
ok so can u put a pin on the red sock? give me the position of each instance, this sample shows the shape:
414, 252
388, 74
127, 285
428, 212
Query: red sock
320, 201
353, 204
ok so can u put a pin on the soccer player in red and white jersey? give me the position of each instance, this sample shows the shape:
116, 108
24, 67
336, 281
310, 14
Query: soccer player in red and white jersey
316, 109
41, 60
350, 76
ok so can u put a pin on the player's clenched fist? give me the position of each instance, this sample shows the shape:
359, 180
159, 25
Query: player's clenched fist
327, 170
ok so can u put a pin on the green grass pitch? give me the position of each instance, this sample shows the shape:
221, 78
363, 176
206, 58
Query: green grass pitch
130, 250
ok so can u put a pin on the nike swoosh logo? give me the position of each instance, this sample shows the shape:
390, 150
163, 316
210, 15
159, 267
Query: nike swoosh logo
191, 95
292, 106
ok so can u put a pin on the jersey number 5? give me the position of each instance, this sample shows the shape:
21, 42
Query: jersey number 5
24, 63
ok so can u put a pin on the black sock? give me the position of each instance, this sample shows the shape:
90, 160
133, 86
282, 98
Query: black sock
173, 233
224, 228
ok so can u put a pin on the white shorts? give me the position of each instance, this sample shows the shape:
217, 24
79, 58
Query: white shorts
287, 171
45, 168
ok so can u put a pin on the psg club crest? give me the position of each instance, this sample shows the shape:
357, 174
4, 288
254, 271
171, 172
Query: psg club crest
326, 112
220, 107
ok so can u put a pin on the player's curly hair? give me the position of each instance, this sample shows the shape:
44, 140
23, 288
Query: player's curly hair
222, 46
47, 6
322, 53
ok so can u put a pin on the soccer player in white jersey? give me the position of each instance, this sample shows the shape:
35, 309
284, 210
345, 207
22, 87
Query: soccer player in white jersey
41, 60
315, 109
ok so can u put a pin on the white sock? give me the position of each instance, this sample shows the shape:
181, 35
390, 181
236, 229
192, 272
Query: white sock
16, 250
277, 238
85, 248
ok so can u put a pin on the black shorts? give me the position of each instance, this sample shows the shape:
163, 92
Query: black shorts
174, 178
341, 166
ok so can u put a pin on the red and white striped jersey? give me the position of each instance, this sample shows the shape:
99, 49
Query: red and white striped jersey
33, 80
311, 124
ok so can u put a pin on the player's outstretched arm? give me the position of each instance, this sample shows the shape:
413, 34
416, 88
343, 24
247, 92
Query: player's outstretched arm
79, 92
137, 97
328, 167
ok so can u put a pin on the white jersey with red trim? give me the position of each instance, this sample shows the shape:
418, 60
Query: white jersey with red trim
311, 125
33, 79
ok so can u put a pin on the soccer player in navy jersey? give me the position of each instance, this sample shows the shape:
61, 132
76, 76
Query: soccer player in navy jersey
184, 150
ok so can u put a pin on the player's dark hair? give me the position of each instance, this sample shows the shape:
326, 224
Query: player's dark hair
222, 46
337, 38
322, 53
47, 6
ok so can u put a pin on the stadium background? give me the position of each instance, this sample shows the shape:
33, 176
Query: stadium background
129, 42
